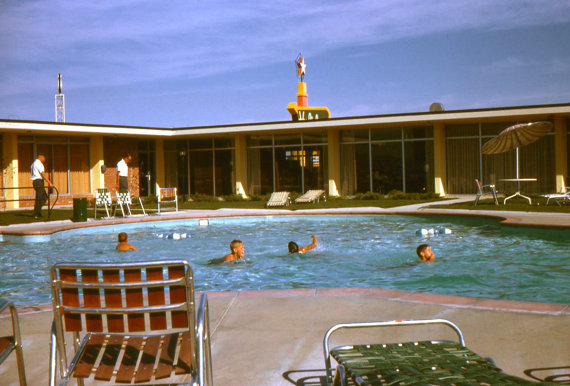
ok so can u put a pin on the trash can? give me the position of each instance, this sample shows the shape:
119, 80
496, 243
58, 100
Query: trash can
80, 209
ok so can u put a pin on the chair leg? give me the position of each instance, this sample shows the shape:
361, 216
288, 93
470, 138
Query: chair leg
495, 197
476, 199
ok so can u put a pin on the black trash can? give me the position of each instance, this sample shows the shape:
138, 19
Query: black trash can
79, 209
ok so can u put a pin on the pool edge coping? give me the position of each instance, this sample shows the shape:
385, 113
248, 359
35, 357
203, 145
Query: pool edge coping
551, 309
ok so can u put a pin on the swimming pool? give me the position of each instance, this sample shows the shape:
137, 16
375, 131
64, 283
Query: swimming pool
479, 259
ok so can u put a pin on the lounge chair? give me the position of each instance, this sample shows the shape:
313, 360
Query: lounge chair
278, 199
13, 342
167, 196
562, 197
103, 200
412, 363
484, 189
129, 322
124, 201
310, 196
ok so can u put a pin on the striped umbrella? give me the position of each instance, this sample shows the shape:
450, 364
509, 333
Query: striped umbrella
516, 136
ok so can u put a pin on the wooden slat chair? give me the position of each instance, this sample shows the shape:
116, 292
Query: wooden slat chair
103, 200
167, 196
428, 362
13, 342
124, 201
484, 189
129, 323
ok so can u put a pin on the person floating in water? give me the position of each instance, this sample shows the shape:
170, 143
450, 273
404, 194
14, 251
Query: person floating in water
124, 243
237, 249
425, 253
294, 248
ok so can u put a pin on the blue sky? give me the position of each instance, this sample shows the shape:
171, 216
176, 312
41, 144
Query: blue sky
181, 63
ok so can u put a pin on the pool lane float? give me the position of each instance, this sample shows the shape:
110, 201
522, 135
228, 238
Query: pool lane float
174, 236
433, 231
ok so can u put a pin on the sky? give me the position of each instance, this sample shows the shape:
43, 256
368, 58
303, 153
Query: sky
184, 63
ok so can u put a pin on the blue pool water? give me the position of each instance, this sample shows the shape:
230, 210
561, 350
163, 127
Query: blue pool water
479, 259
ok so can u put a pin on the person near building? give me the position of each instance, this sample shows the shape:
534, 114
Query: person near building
38, 177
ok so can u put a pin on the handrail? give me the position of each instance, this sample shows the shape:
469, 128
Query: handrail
50, 207
205, 376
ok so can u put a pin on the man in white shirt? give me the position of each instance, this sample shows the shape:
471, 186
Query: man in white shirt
123, 172
38, 177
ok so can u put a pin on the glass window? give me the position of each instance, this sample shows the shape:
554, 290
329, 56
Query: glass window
288, 163
387, 166
470, 130
386, 133
354, 135
260, 170
354, 168
315, 138
201, 173
259, 140
418, 156
200, 143
223, 143
315, 171
224, 173
287, 139
418, 132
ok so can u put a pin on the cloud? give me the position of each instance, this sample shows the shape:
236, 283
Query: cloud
124, 42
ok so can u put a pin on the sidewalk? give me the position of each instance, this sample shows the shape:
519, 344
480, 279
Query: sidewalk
275, 337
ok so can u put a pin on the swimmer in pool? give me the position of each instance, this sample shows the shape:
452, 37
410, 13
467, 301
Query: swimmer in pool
124, 243
294, 248
425, 253
237, 249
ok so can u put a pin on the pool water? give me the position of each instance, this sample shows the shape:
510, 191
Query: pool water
479, 259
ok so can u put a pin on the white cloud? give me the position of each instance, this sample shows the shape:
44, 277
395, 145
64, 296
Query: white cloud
123, 42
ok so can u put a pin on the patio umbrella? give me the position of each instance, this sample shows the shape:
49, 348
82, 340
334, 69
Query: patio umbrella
516, 136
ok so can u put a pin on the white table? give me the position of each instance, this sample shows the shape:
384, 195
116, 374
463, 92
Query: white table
518, 193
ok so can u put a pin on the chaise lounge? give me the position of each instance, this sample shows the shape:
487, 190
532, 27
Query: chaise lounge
278, 199
310, 196
428, 362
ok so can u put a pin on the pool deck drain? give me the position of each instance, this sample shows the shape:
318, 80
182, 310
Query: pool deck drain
275, 337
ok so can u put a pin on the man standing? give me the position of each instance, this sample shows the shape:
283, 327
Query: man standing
123, 172
38, 177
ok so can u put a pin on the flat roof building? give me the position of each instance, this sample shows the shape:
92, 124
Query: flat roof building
437, 151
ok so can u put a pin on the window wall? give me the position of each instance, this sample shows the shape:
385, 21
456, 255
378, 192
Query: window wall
465, 162
294, 162
382, 160
147, 167
67, 162
200, 166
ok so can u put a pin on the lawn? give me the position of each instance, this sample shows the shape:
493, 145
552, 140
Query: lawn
25, 215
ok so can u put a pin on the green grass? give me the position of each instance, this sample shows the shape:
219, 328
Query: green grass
209, 203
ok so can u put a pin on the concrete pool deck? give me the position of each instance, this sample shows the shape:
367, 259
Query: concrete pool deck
275, 337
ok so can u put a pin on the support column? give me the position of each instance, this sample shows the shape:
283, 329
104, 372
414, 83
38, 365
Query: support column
97, 160
560, 153
439, 159
240, 164
334, 163
10, 152
159, 167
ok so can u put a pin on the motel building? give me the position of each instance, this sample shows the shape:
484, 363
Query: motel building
433, 151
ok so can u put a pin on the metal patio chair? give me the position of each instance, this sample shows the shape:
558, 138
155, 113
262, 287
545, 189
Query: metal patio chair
167, 196
124, 201
13, 342
484, 189
128, 323
427, 362
103, 200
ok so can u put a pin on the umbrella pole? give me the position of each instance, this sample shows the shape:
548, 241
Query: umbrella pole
517, 169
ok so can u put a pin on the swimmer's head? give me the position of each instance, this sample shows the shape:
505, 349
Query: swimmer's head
237, 247
123, 237
424, 252
293, 247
